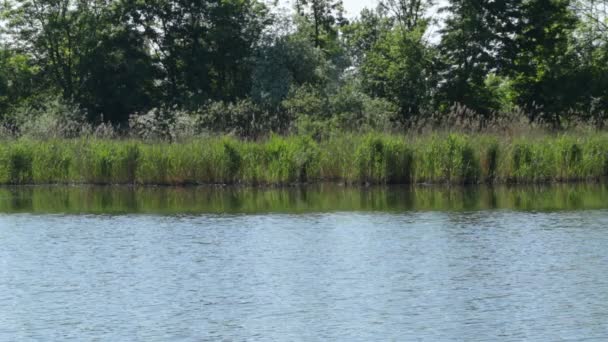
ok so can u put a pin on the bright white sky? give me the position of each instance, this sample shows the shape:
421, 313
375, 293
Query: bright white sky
354, 7
351, 7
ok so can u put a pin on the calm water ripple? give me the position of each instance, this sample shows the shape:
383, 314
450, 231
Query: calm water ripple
482, 275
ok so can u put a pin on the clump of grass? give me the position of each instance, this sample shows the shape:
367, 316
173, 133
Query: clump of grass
450, 159
336, 162
382, 159
16, 161
291, 160
229, 162
106, 162
52, 162
570, 159
489, 158
562, 158
153, 165
531, 162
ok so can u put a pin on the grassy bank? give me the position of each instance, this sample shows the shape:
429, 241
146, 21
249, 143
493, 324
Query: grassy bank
372, 158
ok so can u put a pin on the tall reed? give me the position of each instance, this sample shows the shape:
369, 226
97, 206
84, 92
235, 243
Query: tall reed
374, 158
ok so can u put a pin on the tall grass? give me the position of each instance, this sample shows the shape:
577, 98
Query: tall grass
346, 158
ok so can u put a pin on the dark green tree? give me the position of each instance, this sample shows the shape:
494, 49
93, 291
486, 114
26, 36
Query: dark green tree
18, 80
283, 63
395, 59
361, 34
545, 67
468, 50
84, 50
324, 16
205, 47
399, 68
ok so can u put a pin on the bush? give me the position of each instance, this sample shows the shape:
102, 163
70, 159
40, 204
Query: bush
50, 118
243, 118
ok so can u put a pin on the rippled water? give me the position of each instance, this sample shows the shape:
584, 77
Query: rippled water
475, 272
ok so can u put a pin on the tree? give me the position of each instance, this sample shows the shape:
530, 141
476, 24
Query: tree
85, 51
18, 78
363, 33
399, 68
394, 60
324, 16
283, 63
468, 53
545, 68
408, 13
205, 47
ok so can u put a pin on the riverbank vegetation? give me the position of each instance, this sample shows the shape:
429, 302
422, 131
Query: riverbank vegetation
373, 158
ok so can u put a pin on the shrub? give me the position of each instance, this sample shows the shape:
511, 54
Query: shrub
243, 118
50, 118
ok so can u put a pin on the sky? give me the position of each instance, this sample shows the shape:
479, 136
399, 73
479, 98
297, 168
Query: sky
351, 7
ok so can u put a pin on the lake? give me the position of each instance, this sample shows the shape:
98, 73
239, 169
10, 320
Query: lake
317, 263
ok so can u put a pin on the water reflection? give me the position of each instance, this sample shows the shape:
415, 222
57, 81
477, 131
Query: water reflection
319, 198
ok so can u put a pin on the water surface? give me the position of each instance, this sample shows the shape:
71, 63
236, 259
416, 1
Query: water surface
307, 199
342, 264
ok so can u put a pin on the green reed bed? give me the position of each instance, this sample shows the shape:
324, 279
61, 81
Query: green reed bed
345, 158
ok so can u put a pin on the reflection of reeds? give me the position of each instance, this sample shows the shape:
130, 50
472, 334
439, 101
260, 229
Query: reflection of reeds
317, 198
347, 158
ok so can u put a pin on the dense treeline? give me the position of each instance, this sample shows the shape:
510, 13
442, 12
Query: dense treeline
242, 66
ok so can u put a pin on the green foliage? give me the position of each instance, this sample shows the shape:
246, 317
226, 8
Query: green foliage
532, 162
18, 76
545, 66
362, 34
384, 160
467, 52
283, 63
450, 159
398, 68
292, 160
49, 118
86, 53
206, 57
322, 16
489, 157
319, 115
373, 158
16, 163
243, 118
178, 69
53, 162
